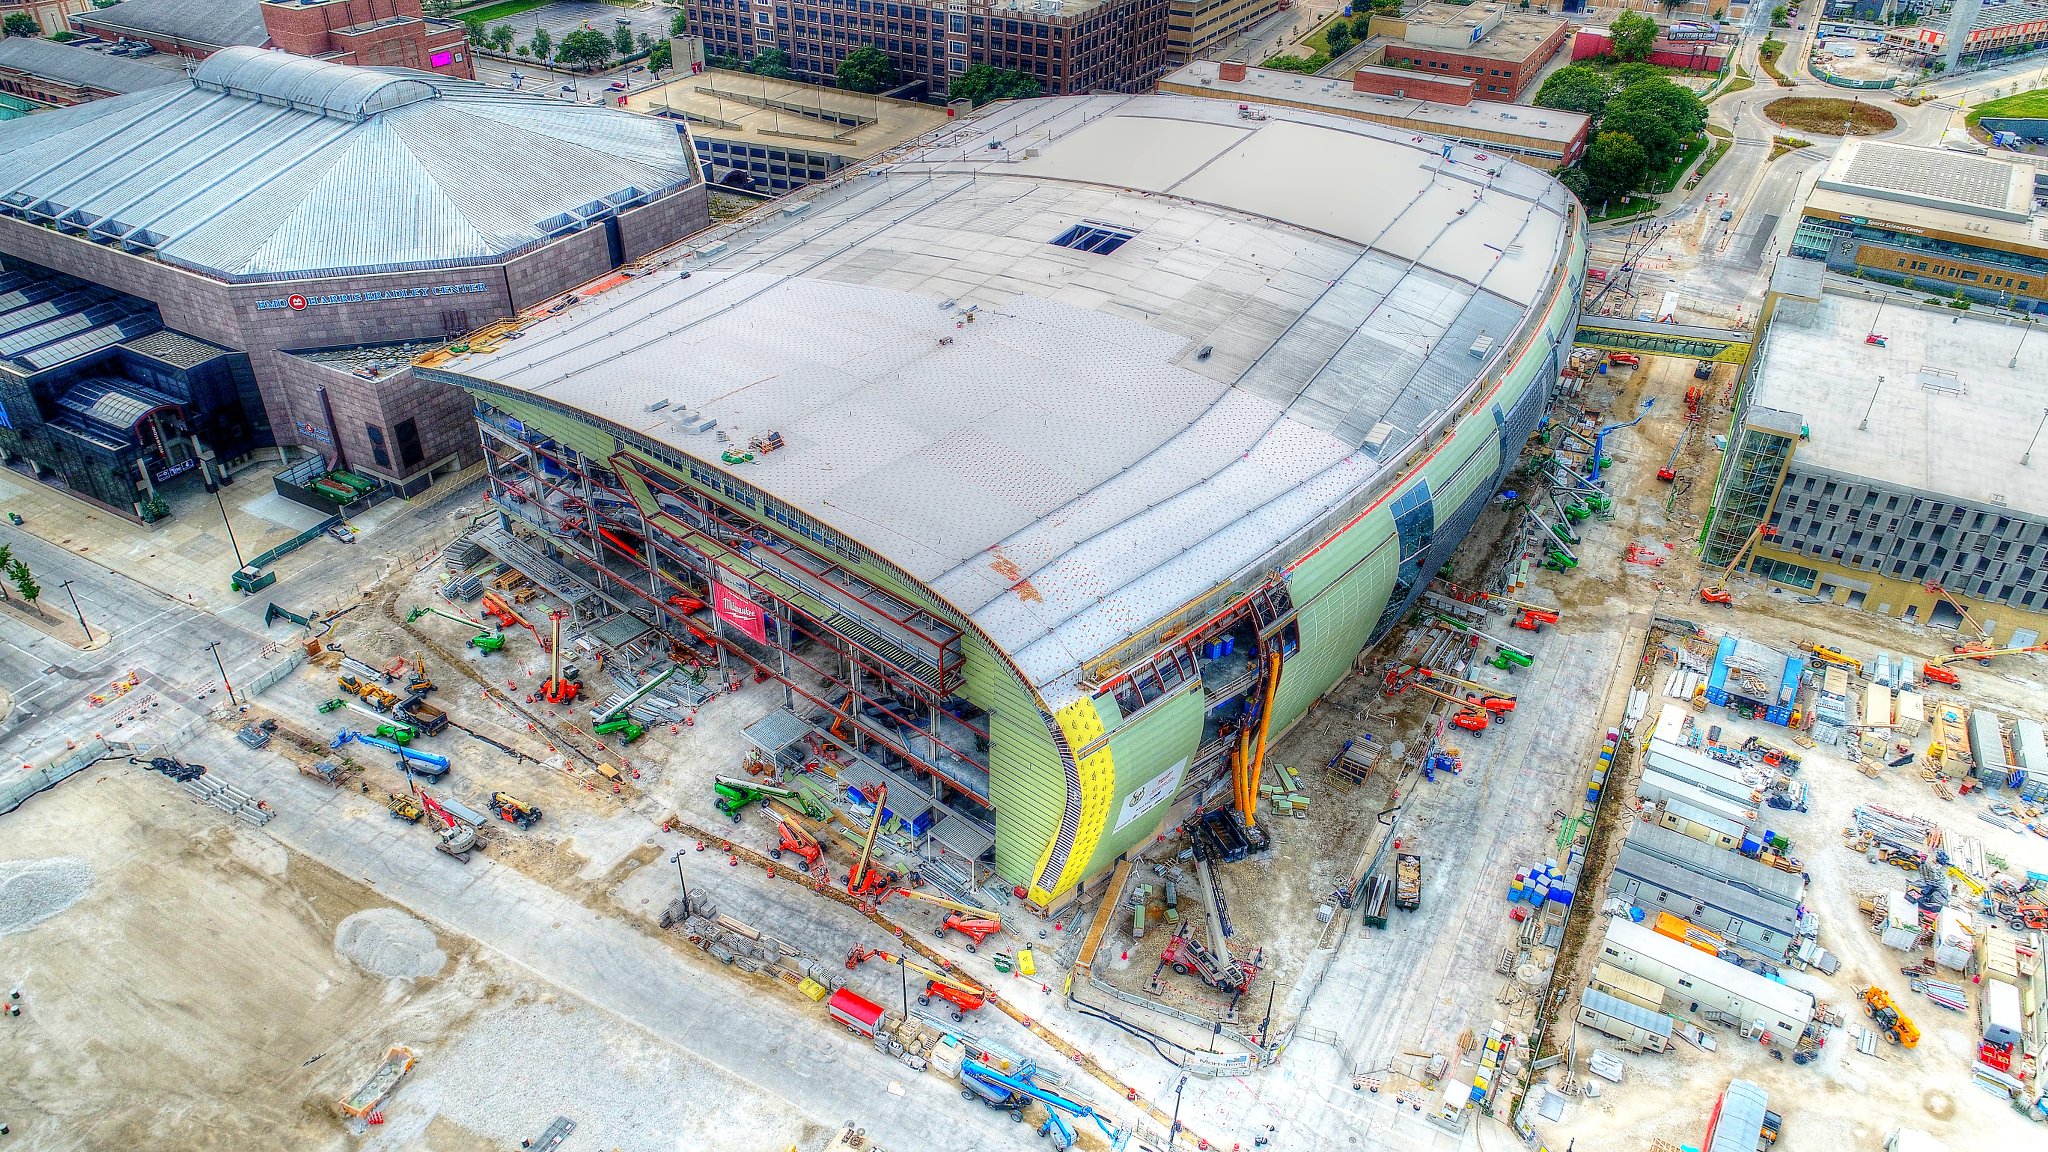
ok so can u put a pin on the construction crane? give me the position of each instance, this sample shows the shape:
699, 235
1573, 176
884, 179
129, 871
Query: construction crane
980, 1082
964, 995
1717, 592
865, 880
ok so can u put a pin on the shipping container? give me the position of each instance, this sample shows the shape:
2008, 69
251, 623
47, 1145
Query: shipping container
855, 1013
1656, 787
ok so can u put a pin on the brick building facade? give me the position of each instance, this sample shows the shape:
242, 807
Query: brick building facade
204, 270
1500, 50
387, 33
1070, 46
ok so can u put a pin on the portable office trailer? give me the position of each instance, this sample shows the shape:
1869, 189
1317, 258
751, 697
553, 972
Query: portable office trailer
1688, 764
1987, 746
1637, 990
1753, 876
1657, 787
1638, 1028
1722, 780
1877, 706
1692, 822
1909, 713
1706, 984
1742, 918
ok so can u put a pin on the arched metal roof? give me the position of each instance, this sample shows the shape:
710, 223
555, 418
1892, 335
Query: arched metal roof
310, 85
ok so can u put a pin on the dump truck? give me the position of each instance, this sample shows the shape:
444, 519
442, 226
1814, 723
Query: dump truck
1407, 881
423, 716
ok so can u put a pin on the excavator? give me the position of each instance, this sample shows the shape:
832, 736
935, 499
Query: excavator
453, 837
963, 994
1717, 592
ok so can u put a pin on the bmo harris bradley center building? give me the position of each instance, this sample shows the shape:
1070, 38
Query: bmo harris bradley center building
175, 262
1053, 449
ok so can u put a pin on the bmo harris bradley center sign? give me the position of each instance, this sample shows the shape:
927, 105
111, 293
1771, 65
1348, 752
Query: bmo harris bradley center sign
298, 303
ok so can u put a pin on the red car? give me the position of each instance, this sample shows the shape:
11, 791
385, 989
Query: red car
1628, 358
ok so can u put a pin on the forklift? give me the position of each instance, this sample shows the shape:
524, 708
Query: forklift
513, 810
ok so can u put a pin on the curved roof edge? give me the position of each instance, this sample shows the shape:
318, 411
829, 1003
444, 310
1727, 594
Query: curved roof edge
336, 90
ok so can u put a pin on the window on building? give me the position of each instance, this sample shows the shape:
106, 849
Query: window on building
377, 451
407, 433
1100, 239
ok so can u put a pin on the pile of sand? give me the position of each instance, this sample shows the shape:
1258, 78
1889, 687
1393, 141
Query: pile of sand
32, 891
387, 942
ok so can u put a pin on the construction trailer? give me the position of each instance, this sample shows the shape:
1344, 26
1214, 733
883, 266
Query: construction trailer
1660, 788
1738, 1119
1637, 1028
2030, 759
1992, 764
1697, 823
1717, 777
1750, 922
1641, 992
1722, 992
1732, 868
2019, 959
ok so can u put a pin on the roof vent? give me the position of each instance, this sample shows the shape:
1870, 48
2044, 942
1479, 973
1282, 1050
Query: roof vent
1377, 441
657, 406
1481, 346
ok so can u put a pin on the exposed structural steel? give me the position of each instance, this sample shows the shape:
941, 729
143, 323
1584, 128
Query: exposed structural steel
1049, 478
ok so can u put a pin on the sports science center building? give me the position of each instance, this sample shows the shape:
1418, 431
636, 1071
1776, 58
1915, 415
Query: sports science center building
179, 265
1059, 462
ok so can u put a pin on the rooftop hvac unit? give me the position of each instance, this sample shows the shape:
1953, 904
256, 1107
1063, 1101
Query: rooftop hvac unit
1378, 440
1481, 346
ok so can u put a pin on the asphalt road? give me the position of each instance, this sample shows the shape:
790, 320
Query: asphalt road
150, 631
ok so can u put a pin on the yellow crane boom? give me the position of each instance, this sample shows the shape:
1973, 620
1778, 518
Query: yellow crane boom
955, 905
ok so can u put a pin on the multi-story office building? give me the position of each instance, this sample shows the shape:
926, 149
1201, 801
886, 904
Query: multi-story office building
393, 33
1887, 451
1932, 218
1195, 26
1499, 48
1070, 46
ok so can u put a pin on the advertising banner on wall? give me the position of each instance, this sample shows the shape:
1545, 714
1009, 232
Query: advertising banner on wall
738, 611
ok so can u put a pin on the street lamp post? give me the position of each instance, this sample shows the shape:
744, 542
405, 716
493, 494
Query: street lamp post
214, 648
1173, 1133
229, 525
66, 586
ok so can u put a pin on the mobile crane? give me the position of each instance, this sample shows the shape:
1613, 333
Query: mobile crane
1471, 715
865, 879
1979, 654
964, 995
795, 839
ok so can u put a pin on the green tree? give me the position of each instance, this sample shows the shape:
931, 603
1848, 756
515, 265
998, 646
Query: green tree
24, 580
772, 62
501, 36
436, 9
542, 45
1627, 75
1660, 116
867, 69
661, 57
622, 40
473, 27
983, 83
1634, 35
6, 562
1781, 17
679, 24
1339, 37
21, 24
584, 48
1576, 88
1615, 164
1361, 28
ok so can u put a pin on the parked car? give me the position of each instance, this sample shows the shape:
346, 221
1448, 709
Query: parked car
617, 86
1727, 214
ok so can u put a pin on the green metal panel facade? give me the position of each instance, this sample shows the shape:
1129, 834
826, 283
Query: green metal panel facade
1170, 732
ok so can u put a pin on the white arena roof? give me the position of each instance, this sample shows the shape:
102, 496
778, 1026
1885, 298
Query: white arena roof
268, 166
1070, 442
